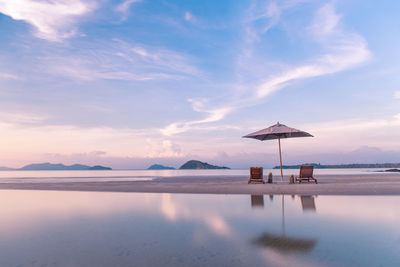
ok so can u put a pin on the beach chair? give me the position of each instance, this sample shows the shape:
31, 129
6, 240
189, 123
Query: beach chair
256, 175
306, 174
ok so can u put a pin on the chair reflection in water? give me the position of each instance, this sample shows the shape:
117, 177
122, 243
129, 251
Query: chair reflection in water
257, 201
308, 203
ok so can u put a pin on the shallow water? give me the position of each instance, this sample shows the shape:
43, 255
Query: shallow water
143, 175
51, 228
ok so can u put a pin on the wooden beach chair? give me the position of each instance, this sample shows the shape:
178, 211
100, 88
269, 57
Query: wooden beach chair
256, 175
306, 174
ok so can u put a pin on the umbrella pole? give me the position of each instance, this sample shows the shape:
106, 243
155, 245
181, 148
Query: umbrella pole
280, 156
283, 215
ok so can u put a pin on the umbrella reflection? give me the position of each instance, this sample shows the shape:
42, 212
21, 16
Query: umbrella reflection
308, 203
283, 243
257, 201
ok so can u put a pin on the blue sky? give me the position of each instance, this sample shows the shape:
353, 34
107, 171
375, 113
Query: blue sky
130, 83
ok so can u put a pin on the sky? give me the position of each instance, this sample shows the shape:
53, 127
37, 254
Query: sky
130, 83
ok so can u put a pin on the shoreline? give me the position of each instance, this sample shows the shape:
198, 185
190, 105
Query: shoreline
377, 184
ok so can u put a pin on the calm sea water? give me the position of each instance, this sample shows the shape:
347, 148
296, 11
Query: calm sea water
137, 175
50, 228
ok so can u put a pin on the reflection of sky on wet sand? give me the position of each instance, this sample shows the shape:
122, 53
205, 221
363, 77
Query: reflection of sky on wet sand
125, 229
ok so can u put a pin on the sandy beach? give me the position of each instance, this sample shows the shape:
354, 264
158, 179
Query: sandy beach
372, 184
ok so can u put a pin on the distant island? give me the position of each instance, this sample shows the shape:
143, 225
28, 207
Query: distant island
160, 167
392, 170
5, 169
343, 166
196, 165
60, 167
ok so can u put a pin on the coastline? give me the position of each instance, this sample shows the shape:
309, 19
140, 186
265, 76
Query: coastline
376, 184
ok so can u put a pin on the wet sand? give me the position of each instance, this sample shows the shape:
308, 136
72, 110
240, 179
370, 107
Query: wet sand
372, 184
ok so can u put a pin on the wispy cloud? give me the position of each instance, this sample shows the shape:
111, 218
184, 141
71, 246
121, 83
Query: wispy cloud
163, 148
214, 115
8, 76
87, 69
347, 54
20, 118
325, 21
189, 17
262, 16
265, 15
197, 21
345, 50
396, 95
160, 58
119, 60
180, 127
53, 20
124, 7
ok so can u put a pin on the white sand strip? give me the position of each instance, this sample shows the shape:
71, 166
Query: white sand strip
375, 184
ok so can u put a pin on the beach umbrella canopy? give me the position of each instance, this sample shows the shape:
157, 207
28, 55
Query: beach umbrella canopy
277, 131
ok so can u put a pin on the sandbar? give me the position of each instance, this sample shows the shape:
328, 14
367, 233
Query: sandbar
371, 184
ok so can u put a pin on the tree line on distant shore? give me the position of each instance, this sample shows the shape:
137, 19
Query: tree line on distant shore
343, 166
